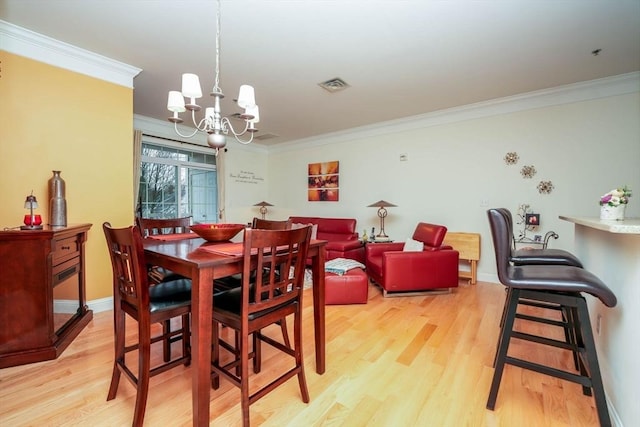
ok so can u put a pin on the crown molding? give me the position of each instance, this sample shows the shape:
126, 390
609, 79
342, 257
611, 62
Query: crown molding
583, 91
23, 42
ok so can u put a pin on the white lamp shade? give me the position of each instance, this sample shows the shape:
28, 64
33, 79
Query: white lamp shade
191, 86
175, 103
253, 111
246, 97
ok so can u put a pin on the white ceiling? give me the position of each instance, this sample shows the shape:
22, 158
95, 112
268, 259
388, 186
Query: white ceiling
400, 57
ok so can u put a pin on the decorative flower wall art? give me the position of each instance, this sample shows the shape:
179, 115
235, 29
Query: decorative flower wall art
528, 171
511, 158
545, 187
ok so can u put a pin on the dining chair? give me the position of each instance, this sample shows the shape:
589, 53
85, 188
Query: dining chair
155, 226
561, 285
264, 298
235, 281
133, 296
268, 224
150, 227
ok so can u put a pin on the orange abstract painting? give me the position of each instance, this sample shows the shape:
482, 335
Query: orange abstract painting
323, 182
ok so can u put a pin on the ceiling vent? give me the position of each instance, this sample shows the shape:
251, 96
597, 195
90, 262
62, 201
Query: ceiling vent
334, 85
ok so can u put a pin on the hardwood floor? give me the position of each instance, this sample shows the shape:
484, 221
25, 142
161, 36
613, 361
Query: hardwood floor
407, 361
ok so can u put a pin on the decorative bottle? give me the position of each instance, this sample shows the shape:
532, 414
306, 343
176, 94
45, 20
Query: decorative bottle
364, 235
57, 202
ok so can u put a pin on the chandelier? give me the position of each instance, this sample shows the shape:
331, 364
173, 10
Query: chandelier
213, 123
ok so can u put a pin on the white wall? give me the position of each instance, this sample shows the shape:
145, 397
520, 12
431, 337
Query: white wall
615, 258
584, 138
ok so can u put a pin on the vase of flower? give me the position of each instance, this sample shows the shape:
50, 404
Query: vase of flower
613, 204
612, 213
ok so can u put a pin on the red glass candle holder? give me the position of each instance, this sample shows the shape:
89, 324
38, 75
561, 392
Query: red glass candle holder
37, 220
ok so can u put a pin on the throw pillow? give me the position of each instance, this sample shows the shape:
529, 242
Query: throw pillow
411, 245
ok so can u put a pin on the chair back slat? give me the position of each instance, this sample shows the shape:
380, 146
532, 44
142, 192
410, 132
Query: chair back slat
281, 256
267, 224
155, 226
126, 251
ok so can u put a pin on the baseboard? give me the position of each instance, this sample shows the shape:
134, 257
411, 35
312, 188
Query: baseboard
102, 304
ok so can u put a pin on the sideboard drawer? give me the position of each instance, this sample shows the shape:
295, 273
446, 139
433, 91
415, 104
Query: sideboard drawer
65, 249
64, 270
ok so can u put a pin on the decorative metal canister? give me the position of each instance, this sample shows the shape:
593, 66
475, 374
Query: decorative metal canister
57, 202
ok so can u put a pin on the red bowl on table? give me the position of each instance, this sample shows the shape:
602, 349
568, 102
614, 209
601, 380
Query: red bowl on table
217, 232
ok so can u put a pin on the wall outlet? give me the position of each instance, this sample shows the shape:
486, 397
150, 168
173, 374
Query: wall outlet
484, 203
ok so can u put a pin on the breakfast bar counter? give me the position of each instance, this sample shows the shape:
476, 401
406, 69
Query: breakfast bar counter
627, 226
611, 250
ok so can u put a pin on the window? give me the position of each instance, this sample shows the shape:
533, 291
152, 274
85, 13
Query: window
177, 182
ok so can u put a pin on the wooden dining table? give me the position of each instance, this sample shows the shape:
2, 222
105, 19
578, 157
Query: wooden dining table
203, 262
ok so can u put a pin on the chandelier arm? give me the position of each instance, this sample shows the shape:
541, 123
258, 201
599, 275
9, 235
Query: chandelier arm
200, 125
175, 125
226, 126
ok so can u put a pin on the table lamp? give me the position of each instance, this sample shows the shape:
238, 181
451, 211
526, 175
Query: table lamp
382, 213
263, 207
31, 221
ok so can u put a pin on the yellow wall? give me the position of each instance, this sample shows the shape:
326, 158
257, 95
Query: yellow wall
54, 119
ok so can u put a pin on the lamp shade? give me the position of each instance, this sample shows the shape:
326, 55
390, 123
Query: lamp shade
253, 111
263, 203
382, 204
175, 103
246, 97
209, 113
191, 86
31, 202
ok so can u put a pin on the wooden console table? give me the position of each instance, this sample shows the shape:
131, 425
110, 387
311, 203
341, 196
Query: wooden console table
42, 292
468, 245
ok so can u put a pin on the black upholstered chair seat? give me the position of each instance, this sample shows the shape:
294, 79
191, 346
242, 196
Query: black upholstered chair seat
544, 257
559, 279
231, 301
168, 294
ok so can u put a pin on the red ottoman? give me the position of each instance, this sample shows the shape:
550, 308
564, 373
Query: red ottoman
350, 288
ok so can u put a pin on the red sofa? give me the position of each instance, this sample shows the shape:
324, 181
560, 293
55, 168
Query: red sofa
340, 233
435, 267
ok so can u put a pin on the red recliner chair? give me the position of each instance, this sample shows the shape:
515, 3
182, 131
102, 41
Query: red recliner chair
435, 267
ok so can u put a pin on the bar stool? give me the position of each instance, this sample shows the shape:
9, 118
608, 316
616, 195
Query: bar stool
537, 256
560, 285
540, 257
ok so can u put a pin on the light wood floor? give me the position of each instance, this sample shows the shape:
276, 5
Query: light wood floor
410, 361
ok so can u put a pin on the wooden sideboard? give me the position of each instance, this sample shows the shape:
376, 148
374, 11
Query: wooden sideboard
42, 292
468, 245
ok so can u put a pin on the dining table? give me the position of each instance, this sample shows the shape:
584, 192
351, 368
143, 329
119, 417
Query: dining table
203, 262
